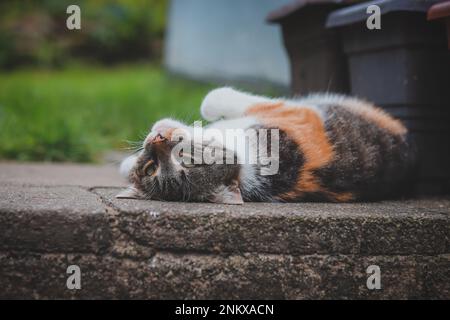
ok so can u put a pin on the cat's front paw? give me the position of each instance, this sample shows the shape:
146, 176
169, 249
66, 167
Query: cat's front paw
216, 103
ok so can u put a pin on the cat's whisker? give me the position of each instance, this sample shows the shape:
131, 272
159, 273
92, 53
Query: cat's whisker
138, 150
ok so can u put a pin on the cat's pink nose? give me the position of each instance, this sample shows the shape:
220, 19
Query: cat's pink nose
158, 139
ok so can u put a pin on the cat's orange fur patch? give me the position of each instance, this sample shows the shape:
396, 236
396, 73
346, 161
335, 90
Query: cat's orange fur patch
341, 197
306, 128
376, 115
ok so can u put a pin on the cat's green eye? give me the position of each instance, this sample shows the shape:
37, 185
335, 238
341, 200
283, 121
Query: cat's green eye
149, 167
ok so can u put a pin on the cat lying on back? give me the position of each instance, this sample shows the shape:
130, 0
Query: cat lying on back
331, 148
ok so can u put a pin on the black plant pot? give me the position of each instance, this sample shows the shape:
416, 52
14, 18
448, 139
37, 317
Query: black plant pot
405, 68
317, 61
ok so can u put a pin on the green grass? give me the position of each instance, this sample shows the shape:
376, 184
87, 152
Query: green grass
78, 113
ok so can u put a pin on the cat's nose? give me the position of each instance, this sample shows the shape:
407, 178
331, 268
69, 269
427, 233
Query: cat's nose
158, 139
159, 144
153, 139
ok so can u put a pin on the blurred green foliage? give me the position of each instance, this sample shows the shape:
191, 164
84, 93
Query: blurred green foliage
76, 113
34, 31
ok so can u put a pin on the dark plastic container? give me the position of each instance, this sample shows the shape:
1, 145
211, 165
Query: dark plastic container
405, 68
441, 11
317, 61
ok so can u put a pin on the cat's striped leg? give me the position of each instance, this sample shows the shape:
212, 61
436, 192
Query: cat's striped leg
228, 103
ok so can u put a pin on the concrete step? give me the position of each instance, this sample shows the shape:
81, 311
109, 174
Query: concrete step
151, 249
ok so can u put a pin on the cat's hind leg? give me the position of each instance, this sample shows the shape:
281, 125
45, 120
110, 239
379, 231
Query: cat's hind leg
228, 103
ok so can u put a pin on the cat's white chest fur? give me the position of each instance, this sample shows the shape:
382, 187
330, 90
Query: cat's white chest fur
225, 130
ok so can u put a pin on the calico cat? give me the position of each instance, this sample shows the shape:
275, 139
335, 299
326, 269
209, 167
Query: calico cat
330, 148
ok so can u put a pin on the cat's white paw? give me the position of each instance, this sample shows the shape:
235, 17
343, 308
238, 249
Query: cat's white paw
218, 103
228, 103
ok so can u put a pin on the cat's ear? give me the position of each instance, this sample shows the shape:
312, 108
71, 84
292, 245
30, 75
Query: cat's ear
229, 195
129, 193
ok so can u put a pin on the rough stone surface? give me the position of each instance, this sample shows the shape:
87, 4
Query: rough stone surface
52, 219
51, 174
249, 276
149, 249
383, 228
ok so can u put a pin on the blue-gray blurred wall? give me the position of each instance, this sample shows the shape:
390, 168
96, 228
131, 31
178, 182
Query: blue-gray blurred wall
226, 40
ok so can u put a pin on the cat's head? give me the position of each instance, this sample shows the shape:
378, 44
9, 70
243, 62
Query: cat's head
174, 170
